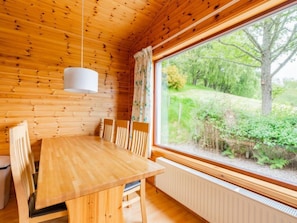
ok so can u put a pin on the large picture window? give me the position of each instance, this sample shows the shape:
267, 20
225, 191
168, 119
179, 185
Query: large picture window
233, 100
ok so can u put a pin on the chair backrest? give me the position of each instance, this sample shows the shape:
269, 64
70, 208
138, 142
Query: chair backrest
28, 146
108, 129
21, 170
122, 133
139, 141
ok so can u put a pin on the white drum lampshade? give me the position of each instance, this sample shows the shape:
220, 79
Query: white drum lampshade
80, 80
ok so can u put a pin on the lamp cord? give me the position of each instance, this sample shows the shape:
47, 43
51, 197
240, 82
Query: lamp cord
82, 34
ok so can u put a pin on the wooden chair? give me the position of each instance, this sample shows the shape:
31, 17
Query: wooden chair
138, 145
23, 182
108, 129
122, 133
28, 146
28, 149
139, 141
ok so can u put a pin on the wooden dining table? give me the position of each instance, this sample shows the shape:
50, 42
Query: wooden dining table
88, 174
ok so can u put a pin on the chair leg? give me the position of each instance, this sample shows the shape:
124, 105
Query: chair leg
142, 201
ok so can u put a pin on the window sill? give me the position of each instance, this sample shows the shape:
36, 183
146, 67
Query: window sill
261, 186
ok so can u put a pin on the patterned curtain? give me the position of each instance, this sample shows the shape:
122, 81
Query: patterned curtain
141, 109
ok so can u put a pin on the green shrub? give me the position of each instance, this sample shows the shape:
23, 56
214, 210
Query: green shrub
274, 136
269, 130
270, 140
175, 79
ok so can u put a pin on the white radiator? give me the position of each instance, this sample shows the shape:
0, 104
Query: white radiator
218, 201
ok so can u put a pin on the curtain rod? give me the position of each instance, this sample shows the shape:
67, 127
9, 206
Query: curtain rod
196, 23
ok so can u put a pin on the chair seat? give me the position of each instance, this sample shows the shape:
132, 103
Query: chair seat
39, 212
132, 185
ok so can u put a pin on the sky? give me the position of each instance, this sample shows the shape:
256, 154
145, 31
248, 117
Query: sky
287, 72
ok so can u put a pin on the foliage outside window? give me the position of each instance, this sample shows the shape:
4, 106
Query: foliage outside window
234, 99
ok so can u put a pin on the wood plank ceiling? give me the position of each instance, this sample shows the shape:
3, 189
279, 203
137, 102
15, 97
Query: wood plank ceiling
118, 22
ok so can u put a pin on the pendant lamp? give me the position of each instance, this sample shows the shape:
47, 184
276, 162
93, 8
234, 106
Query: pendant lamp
79, 79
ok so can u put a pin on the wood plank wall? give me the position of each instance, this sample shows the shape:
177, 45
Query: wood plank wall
35, 47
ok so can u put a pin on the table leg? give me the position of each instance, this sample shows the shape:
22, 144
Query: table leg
101, 207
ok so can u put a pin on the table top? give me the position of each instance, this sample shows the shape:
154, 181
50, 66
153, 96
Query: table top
71, 167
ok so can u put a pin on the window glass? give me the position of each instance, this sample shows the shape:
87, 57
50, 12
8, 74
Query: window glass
234, 98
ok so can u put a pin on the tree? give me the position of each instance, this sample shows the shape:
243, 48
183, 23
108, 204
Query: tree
271, 40
207, 65
175, 80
